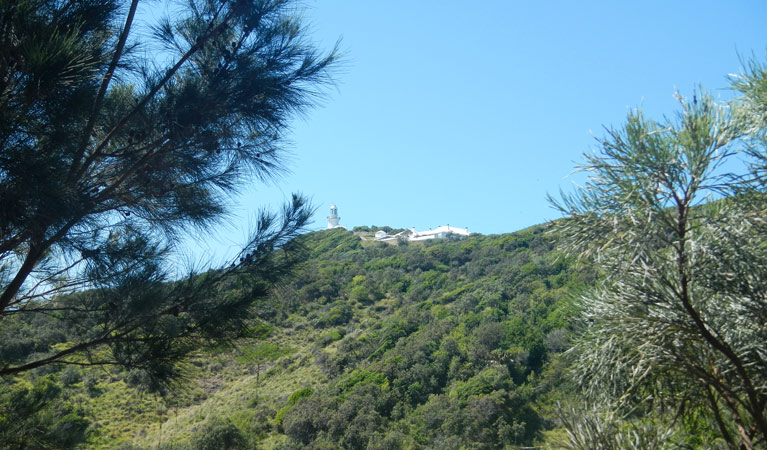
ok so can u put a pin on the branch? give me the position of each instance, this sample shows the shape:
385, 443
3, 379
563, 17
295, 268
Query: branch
36, 251
30, 291
55, 357
103, 88
169, 74
718, 417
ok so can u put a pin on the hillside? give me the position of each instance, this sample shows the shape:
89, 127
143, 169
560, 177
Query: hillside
445, 344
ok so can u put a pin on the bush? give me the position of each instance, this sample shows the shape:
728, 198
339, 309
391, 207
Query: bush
219, 434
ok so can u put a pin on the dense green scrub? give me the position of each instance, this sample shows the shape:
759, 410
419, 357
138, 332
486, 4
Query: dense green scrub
447, 344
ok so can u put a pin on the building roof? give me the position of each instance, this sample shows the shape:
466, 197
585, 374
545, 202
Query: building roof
442, 229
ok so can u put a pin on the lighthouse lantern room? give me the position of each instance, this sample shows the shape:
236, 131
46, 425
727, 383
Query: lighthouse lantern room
333, 218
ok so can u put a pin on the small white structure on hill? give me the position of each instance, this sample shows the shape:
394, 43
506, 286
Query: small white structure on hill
442, 232
383, 236
333, 218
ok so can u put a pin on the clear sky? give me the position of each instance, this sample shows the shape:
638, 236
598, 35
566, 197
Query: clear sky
468, 113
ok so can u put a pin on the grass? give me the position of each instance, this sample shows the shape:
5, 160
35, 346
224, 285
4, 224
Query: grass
247, 399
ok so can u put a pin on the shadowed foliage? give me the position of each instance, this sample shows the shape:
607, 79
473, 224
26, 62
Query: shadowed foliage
114, 146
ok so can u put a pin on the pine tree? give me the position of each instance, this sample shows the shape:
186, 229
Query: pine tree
109, 156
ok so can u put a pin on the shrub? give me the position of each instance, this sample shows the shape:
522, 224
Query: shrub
219, 434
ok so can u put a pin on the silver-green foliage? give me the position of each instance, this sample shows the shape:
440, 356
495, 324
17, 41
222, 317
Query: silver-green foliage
672, 213
602, 430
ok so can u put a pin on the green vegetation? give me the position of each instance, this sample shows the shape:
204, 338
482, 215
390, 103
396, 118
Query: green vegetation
454, 344
672, 340
671, 345
108, 158
454, 348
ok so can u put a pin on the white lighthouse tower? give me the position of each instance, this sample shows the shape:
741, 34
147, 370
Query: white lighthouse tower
333, 218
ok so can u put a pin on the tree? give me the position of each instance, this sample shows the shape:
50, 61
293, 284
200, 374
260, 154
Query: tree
109, 156
30, 417
676, 328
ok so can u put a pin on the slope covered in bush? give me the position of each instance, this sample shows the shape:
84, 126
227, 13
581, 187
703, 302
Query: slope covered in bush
444, 344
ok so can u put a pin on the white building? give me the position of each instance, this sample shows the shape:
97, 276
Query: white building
442, 232
334, 218
386, 237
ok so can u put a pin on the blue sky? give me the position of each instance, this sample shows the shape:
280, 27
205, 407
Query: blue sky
469, 113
